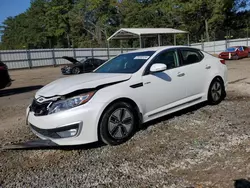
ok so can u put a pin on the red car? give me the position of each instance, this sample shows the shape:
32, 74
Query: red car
235, 52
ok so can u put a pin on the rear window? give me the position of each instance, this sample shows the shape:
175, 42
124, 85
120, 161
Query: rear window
241, 48
190, 56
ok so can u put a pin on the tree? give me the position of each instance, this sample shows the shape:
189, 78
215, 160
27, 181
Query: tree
87, 23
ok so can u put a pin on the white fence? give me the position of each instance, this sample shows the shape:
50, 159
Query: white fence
16, 59
216, 47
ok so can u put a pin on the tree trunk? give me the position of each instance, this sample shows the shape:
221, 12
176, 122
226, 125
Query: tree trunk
68, 40
207, 33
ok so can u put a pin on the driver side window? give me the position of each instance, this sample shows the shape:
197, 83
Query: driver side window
169, 58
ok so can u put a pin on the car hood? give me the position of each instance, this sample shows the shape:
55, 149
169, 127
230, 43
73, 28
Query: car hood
71, 59
227, 53
70, 84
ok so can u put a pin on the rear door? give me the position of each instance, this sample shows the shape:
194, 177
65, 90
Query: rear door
97, 63
196, 71
246, 51
88, 65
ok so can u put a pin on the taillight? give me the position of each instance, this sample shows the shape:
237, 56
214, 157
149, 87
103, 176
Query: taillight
223, 61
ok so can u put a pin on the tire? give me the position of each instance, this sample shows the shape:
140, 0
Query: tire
216, 92
76, 70
248, 55
118, 123
236, 57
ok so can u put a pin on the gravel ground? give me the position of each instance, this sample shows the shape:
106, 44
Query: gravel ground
203, 146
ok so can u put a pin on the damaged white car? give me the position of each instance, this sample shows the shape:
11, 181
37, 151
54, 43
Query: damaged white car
111, 103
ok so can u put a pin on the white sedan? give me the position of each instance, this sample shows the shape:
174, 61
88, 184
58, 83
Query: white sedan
111, 103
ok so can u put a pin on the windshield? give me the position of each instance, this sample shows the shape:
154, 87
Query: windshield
126, 63
241, 48
82, 60
231, 50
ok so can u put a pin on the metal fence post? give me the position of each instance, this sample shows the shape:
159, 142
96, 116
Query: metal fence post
202, 45
74, 53
92, 52
108, 49
214, 46
108, 53
0, 56
29, 58
53, 57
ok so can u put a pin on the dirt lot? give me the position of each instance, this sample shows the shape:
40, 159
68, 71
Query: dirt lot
204, 146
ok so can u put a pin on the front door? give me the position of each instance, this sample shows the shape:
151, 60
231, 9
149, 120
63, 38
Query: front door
162, 89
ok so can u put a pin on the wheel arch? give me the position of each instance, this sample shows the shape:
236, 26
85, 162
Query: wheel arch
216, 77
122, 99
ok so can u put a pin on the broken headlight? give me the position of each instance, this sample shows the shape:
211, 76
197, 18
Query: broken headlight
66, 104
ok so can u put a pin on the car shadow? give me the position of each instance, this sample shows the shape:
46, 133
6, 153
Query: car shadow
14, 91
174, 114
48, 145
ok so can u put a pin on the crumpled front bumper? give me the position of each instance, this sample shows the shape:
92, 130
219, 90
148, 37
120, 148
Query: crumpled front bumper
46, 127
66, 70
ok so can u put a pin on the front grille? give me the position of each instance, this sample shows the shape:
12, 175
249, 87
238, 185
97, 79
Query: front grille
45, 132
40, 109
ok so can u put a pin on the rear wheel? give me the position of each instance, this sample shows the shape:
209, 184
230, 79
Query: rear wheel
118, 123
76, 70
248, 54
216, 92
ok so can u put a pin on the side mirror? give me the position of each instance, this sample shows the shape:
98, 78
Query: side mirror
158, 67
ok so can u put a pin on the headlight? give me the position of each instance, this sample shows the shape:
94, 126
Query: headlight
70, 103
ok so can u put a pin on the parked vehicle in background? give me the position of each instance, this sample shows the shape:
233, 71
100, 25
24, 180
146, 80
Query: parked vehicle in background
5, 80
235, 52
110, 103
82, 66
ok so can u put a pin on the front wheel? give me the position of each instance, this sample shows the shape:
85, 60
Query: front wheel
216, 92
118, 123
76, 70
236, 57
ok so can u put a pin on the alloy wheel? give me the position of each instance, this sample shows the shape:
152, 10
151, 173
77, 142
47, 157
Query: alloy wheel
76, 70
120, 123
216, 91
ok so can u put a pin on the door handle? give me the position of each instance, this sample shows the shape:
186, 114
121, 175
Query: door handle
208, 66
180, 74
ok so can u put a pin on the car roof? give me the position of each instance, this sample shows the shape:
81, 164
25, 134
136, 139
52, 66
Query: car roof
236, 46
159, 48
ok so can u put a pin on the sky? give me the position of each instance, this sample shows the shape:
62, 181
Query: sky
12, 8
